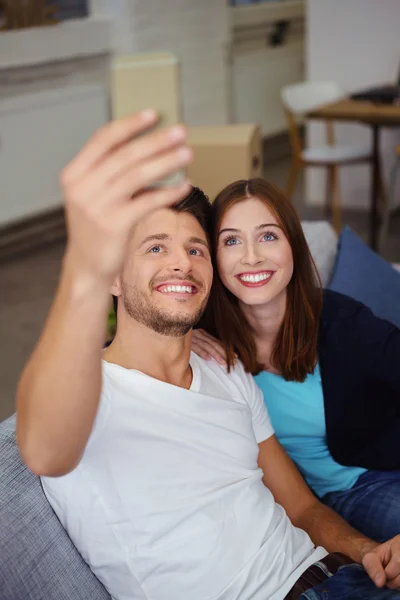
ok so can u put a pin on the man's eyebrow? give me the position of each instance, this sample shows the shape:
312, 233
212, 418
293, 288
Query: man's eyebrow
198, 240
160, 237
155, 237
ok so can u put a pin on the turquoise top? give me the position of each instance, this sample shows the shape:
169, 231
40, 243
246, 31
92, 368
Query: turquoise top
298, 415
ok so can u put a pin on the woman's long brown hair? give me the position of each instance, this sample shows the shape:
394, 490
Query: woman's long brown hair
294, 353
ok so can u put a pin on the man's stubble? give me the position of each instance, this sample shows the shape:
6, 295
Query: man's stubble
142, 308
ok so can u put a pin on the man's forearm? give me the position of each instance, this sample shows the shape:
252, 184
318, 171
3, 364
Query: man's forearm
59, 390
326, 528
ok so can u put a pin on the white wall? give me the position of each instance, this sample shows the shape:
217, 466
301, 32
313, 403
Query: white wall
41, 131
357, 44
197, 31
258, 75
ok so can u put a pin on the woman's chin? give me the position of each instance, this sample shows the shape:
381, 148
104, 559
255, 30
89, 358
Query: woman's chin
257, 296
254, 297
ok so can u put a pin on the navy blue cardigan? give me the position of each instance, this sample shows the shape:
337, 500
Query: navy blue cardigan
359, 356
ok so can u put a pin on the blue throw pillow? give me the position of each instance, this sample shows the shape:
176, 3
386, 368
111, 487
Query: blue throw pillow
364, 275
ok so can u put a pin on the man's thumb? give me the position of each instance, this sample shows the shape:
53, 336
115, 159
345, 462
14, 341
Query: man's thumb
373, 565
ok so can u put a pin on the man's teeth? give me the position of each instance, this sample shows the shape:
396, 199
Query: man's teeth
255, 278
185, 289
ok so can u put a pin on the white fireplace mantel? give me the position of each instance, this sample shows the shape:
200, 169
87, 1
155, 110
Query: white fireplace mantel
67, 40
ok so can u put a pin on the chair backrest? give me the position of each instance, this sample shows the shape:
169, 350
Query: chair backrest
300, 98
37, 558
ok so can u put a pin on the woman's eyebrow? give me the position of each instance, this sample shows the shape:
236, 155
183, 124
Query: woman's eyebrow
268, 225
229, 229
232, 230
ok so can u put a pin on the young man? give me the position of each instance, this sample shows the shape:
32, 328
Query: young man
162, 467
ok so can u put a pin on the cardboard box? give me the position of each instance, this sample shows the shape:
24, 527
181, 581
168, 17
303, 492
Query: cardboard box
223, 154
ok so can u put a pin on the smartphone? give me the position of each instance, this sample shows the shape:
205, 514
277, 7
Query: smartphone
142, 81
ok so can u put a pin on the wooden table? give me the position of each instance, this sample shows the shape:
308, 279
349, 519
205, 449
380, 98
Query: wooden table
376, 116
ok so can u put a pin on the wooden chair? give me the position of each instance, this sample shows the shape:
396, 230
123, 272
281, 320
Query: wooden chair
298, 99
390, 204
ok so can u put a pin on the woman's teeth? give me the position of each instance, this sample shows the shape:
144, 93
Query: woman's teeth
185, 289
255, 278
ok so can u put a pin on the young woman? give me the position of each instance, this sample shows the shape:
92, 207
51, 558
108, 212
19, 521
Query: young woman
329, 369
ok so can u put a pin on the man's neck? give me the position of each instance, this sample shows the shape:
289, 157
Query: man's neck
135, 346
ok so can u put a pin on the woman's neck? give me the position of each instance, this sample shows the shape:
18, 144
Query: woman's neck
265, 320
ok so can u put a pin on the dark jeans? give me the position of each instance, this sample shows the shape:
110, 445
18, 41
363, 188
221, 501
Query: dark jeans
372, 505
348, 582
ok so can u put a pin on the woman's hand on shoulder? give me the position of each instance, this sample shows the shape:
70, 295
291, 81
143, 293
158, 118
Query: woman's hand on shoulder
208, 347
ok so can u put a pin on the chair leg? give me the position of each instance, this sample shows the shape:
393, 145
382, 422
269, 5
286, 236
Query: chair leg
384, 229
291, 184
334, 197
383, 198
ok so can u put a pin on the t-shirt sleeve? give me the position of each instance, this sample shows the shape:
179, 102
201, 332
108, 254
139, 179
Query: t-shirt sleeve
261, 422
102, 413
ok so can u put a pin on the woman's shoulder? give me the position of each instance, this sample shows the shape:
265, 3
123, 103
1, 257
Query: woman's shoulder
351, 315
351, 334
336, 305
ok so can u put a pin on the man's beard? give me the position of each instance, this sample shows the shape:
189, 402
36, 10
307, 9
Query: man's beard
144, 310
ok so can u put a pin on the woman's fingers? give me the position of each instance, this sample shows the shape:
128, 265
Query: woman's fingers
197, 349
211, 341
208, 345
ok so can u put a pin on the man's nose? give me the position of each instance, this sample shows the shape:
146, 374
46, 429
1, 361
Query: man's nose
181, 261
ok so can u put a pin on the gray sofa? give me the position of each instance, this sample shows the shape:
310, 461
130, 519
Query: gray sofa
37, 559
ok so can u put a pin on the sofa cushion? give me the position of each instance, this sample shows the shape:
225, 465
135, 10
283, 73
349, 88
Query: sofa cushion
322, 241
364, 275
37, 559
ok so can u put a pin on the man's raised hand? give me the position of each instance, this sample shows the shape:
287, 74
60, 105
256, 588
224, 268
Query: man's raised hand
106, 189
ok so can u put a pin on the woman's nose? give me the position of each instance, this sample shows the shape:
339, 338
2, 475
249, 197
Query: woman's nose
251, 256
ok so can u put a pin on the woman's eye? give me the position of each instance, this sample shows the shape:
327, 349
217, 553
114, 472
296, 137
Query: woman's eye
231, 241
268, 237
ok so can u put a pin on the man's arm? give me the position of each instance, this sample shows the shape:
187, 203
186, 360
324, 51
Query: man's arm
325, 527
59, 389
103, 186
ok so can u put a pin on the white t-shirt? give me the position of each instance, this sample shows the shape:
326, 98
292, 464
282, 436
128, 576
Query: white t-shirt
168, 502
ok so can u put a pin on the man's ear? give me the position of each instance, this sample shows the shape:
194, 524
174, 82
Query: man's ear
115, 289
